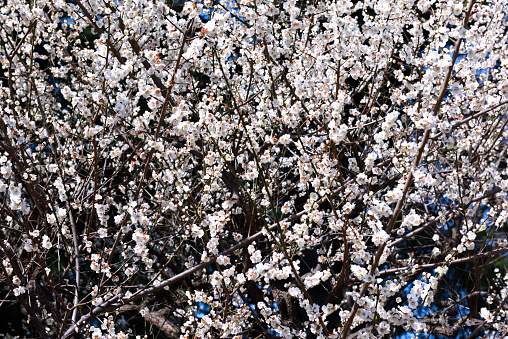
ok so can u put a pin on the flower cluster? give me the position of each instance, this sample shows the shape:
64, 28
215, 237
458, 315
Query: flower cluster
312, 169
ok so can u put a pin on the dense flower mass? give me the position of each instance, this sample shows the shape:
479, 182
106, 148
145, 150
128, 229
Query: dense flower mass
254, 168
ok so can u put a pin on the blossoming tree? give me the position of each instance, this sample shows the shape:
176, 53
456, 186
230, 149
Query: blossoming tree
254, 168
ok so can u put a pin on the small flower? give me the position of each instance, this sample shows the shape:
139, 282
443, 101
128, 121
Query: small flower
256, 257
368, 278
383, 328
144, 312
223, 260
295, 292
485, 314
46, 242
471, 235
51, 219
97, 301
285, 139
16, 280
359, 271
19, 290
285, 209
28, 245
380, 237
102, 232
240, 278
95, 266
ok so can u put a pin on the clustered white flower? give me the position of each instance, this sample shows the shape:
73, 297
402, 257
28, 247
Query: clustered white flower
304, 168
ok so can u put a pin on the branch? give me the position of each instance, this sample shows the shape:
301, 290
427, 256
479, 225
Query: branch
159, 320
444, 263
476, 115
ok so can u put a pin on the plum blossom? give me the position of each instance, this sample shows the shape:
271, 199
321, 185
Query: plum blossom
218, 163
